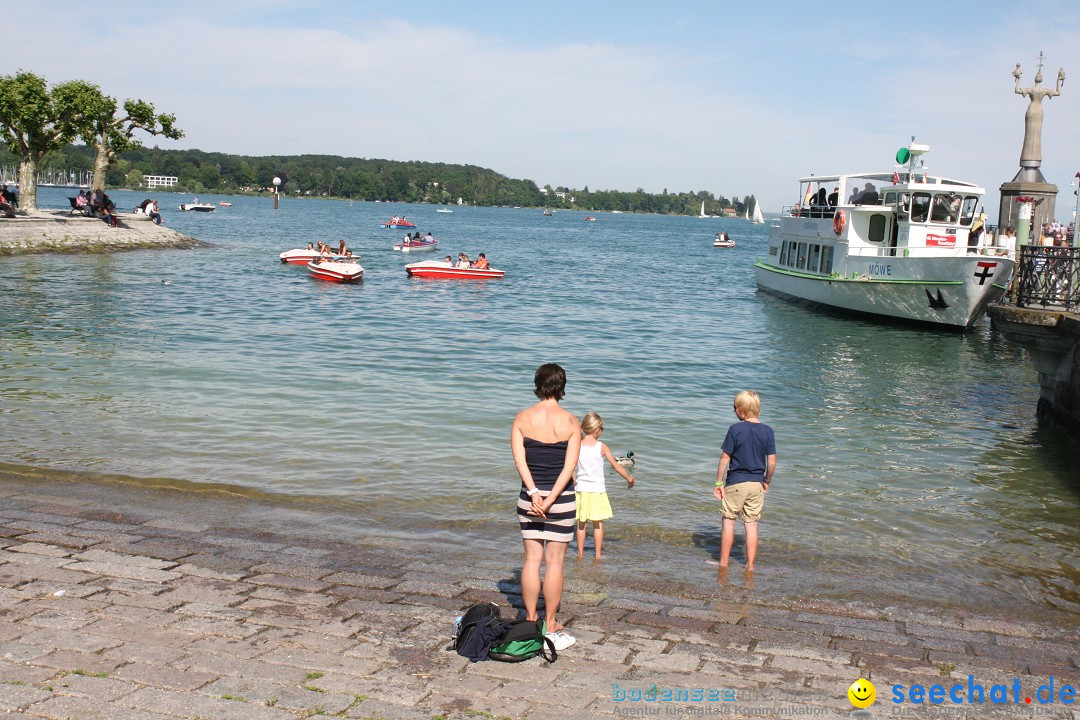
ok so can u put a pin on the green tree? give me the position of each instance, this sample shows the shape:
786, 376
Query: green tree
35, 120
110, 133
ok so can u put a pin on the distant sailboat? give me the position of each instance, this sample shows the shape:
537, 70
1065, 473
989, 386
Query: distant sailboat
759, 219
746, 213
703, 215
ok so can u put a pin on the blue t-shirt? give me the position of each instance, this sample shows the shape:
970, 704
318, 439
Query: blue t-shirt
749, 445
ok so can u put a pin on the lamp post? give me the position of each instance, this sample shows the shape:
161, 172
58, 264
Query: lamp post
277, 184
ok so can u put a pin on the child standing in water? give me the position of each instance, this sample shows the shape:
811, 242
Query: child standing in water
592, 499
747, 463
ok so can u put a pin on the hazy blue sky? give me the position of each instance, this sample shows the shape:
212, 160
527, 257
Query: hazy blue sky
733, 98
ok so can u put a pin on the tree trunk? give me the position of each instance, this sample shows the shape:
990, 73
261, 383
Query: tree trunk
28, 183
101, 164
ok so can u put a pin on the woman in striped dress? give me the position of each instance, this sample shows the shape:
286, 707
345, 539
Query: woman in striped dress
545, 440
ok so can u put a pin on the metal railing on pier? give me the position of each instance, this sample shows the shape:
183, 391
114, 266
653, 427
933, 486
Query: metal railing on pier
1049, 277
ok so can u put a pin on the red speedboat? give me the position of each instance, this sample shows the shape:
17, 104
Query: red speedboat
590, 218
336, 270
442, 270
398, 224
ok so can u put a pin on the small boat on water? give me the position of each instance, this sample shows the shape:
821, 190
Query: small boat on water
901, 246
443, 270
758, 218
397, 222
723, 240
548, 213
341, 271
197, 207
590, 218
417, 245
444, 210
224, 204
303, 257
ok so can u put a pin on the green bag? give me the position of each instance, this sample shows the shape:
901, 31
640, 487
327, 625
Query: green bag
524, 639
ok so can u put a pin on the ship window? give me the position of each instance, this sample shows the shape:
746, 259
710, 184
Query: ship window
946, 208
920, 207
970, 203
784, 252
802, 256
877, 228
826, 259
815, 258
890, 198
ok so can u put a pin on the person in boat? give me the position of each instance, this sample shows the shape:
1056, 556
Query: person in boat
310, 246
463, 260
341, 247
868, 196
449, 261
481, 262
429, 238
545, 441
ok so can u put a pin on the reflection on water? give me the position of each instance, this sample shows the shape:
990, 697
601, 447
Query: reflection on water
910, 462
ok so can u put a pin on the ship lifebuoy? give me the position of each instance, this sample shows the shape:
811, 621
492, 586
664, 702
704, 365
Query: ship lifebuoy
838, 222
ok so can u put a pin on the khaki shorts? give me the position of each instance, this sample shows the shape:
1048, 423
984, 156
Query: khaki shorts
743, 500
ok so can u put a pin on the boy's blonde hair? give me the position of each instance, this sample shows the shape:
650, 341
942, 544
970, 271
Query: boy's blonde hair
748, 403
591, 423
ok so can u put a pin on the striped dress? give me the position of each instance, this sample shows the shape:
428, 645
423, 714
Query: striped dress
545, 461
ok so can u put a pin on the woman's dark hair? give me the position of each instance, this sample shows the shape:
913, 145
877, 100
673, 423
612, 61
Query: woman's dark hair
550, 382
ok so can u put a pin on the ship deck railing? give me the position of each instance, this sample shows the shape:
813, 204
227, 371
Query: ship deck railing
1048, 278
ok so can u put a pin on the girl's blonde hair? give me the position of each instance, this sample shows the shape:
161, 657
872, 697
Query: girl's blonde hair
591, 423
748, 403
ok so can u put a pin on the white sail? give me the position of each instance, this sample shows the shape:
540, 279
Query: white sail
703, 215
759, 219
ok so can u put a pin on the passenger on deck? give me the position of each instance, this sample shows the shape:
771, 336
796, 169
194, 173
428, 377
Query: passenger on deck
854, 195
482, 263
429, 238
463, 261
834, 198
868, 196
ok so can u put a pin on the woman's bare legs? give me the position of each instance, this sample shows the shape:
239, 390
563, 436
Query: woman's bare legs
530, 577
598, 536
579, 538
554, 553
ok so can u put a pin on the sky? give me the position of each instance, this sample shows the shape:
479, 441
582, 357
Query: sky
733, 98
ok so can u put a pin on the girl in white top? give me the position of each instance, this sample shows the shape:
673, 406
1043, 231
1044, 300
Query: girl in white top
591, 495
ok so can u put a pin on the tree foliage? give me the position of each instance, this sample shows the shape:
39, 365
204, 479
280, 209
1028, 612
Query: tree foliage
375, 179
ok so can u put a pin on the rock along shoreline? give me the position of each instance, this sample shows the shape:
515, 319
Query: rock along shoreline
55, 231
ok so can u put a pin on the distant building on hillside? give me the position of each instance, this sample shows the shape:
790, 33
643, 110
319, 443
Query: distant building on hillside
153, 181
730, 212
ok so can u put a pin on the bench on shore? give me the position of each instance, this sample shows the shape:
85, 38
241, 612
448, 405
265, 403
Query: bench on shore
84, 210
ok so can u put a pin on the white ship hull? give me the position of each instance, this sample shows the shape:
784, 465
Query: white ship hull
927, 294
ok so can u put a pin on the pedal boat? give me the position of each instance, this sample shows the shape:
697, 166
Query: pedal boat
339, 271
439, 269
417, 246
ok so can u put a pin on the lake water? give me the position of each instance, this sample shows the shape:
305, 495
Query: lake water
911, 468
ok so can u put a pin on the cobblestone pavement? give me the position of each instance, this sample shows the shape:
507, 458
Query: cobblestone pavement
119, 610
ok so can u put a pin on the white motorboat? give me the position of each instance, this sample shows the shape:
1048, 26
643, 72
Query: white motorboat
444, 210
901, 247
415, 246
723, 240
197, 207
340, 271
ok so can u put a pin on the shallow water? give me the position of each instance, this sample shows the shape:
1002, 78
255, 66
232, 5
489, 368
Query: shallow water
910, 463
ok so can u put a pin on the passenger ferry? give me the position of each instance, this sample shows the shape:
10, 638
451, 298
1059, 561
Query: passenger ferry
905, 245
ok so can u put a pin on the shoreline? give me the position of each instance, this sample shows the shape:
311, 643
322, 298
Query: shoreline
56, 231
122, 600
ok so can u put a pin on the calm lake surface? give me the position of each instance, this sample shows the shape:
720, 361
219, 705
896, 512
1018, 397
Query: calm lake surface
911, 468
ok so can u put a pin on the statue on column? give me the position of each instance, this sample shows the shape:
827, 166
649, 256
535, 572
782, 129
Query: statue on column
1031, 155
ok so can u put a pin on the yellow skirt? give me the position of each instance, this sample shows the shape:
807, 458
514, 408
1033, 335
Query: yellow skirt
592, 506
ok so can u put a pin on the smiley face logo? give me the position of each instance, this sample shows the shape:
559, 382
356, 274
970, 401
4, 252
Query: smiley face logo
862, 693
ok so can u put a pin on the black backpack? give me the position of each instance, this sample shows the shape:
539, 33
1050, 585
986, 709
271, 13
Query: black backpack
483, 634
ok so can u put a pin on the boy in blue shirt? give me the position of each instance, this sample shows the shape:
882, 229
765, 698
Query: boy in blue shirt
743, 475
